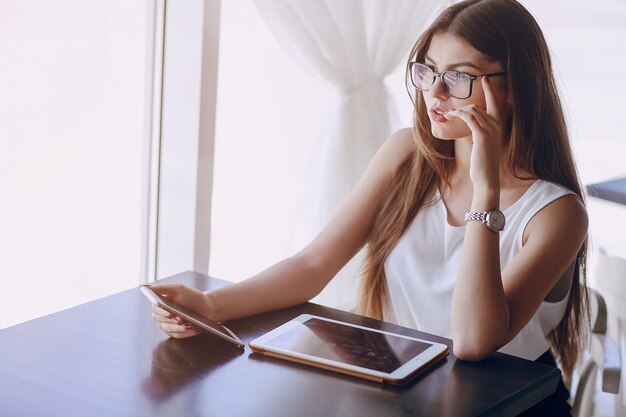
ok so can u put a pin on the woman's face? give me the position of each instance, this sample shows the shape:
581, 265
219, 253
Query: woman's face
451, 53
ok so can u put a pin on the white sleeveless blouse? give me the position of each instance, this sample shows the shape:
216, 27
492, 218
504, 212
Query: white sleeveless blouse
422, 269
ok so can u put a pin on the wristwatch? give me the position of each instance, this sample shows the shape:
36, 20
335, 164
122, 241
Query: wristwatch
493, 219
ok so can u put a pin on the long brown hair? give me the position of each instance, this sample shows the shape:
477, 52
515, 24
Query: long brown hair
538, 143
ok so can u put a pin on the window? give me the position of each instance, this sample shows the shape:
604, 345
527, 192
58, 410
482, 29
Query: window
269, 117
72, 112
75, 120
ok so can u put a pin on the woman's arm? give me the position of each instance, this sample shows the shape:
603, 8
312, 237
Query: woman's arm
299, 278
490, 306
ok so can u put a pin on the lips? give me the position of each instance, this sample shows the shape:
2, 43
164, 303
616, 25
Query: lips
440, 111
438, 114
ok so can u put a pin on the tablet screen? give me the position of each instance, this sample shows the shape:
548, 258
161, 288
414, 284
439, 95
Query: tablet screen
359, 347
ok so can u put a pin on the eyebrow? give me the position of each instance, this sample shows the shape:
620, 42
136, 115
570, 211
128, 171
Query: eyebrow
457, 65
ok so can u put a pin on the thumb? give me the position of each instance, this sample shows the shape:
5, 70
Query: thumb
169, 291
181, 294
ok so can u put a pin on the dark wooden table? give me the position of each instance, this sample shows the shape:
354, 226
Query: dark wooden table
108, 358
613, 190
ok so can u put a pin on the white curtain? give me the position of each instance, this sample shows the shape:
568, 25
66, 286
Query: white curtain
354, 45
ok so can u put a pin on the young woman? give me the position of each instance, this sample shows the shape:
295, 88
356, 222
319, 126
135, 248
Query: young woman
473, 220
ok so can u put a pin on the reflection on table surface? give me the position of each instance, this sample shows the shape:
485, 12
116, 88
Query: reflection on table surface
176, 363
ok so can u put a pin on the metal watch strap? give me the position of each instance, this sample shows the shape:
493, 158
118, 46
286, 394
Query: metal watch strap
494, 219
473, 215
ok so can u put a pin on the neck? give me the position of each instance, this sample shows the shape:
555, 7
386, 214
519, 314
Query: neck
462, 153
460, 172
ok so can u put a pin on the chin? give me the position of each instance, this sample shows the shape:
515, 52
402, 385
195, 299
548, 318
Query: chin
445, 134
438, 135
449, 130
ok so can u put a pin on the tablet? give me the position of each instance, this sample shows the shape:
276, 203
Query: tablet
191, 316
350, 349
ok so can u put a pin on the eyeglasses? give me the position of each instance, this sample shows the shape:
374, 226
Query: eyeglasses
456, 84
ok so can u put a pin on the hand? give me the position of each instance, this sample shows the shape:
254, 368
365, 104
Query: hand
171, 324
487, 136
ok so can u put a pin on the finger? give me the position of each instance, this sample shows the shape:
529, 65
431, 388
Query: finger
170, 328
487, 122
163, 316
490, 99
170, 291
180, 332
161, 319
186, 296
176, 322
160, 312
183, 335
470, 118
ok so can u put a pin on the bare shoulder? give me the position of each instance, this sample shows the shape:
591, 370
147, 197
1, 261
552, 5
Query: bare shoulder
565, 219
388, 159
401, 142
396, 149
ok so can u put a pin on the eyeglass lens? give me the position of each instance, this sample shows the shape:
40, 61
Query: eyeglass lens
456, 84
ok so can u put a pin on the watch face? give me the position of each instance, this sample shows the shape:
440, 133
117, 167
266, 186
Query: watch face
495, 220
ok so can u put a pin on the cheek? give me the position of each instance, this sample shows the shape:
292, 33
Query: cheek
478, 99
450, 130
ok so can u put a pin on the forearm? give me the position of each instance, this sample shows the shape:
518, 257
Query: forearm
480, 313
287, 283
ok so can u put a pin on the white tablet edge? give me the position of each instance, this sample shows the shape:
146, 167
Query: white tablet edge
413, 365
155, 299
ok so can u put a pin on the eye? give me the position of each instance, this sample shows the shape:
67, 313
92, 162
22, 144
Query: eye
423, 71
452, 78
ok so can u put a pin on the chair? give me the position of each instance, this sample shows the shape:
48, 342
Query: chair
611, 283
601, 355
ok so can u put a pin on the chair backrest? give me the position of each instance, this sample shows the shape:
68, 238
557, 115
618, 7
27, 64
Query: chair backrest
610, 281
594, 360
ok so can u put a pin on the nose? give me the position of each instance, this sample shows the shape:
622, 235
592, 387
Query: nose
438, 89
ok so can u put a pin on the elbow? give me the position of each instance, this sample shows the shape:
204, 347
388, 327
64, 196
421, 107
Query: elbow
478, 342
471, 352
474, 349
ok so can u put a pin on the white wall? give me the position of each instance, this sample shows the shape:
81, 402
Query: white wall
589, 53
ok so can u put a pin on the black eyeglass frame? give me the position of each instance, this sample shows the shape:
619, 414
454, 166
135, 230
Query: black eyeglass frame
446, 87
